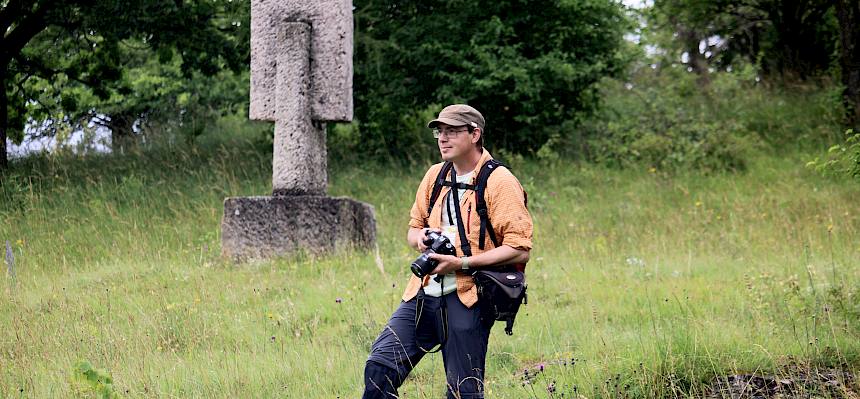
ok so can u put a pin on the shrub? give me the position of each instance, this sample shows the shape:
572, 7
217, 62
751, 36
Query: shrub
358, 141
668, 119
661, 122
841, 159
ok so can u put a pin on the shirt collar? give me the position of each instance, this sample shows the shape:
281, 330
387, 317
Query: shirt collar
485, 156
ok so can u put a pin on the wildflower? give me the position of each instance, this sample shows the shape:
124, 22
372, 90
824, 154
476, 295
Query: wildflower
698, 203
338, 300
10, 260
634, 261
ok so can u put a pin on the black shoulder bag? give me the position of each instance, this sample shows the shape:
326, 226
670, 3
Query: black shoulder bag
500, 293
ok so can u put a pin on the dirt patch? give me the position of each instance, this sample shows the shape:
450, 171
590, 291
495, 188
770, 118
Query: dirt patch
828, 383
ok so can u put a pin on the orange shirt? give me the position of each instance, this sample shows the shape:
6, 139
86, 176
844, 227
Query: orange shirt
507, 213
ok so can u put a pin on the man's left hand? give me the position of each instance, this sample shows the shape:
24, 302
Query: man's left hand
447, 263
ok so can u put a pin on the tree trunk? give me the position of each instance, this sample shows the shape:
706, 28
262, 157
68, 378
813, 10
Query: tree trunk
122, 130
695, 59
848, 13
4, 120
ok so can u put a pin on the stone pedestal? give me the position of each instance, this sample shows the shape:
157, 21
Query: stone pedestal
265, 227
301, 78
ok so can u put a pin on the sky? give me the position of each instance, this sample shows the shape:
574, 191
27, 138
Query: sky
638, 3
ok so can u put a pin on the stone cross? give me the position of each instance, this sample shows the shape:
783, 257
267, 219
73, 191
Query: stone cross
301, 77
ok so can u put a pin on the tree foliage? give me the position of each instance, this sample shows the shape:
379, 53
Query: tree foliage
848, 13
76, 55
787, 38
528, 65
793, 40
842, 159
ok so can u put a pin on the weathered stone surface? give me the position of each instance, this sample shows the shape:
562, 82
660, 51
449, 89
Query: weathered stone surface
299, 159
331, 56
263, 227
301, 77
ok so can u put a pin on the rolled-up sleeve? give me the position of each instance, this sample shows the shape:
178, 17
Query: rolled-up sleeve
507, 210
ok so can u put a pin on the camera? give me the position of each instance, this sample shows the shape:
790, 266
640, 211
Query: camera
436, 244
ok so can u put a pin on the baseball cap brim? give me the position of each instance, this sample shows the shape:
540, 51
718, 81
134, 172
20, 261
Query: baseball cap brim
447, 121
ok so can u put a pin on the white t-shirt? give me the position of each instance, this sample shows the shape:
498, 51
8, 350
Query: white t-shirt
449, 281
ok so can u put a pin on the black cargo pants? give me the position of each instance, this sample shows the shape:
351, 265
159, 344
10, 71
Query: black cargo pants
396, 351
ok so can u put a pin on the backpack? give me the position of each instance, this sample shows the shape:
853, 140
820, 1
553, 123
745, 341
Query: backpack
501, 291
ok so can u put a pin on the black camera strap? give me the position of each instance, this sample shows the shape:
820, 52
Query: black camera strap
464, 247
464, 240
467, 251
419, 313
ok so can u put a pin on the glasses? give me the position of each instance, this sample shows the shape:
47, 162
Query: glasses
448, 132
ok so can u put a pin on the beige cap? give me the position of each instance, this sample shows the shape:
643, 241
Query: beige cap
458, 115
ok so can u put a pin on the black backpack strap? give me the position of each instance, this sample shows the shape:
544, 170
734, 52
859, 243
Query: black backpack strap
460, 186
437, 188
481, 203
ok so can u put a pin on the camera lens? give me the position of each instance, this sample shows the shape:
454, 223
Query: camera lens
421, 264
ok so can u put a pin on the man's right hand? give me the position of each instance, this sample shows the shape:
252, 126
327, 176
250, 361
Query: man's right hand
417, 237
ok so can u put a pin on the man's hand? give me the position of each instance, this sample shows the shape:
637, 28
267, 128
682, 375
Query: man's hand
416, 237
503, 255
447, 264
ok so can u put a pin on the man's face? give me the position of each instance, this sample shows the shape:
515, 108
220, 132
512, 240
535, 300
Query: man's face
454, 141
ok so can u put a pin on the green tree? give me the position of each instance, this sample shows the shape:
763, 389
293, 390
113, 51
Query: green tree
528, 65
77, 48
787, 38
848, 13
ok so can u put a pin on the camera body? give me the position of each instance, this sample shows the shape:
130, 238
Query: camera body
436, 243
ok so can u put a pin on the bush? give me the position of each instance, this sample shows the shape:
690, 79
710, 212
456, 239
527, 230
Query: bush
667, 119
358, 141
661, 122
841, 159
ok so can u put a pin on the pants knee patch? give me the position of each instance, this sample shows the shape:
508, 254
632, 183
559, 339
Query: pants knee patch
380, 381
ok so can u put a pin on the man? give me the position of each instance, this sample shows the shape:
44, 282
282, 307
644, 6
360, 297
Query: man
446, 301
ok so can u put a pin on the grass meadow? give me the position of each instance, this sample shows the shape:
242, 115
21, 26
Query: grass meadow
641, 284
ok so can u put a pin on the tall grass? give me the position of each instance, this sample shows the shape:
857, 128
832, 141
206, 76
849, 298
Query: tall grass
642, 284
